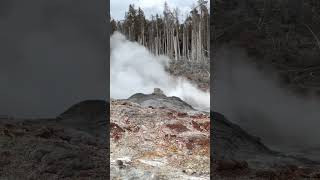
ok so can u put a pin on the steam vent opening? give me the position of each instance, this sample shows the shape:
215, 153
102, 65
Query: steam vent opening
158, 91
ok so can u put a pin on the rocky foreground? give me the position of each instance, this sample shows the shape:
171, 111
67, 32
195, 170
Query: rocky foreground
158, 137
238, 155
61, 148
152, 136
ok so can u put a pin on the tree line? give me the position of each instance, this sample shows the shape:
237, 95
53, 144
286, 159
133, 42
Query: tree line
164, 33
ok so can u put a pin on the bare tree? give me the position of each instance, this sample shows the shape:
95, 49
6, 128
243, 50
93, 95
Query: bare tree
186, 41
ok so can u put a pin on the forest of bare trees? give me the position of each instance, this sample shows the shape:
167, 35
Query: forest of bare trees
164, 34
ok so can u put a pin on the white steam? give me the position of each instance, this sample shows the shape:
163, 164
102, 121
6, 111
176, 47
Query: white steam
135, 70
255, 100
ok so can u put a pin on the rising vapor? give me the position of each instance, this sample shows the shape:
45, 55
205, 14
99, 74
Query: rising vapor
255, 100
136, 70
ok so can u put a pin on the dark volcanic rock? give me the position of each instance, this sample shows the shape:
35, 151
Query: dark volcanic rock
73, 146
232, 141
47, 150
89, 116
235, 154
159, 100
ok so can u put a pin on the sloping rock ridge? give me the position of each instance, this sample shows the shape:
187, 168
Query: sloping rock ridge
237, 154
160, 100
89, 116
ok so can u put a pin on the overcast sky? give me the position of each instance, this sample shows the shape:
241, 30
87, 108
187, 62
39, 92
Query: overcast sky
150, 7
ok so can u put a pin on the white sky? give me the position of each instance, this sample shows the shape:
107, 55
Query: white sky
150, 7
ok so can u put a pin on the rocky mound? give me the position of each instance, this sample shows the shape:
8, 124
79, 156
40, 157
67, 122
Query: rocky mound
159, 100
234, 142
237, 154
89, 116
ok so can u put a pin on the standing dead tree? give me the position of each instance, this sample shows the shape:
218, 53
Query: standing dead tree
165, 34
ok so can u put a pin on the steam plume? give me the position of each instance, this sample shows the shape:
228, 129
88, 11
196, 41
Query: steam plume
258, 103
135, 70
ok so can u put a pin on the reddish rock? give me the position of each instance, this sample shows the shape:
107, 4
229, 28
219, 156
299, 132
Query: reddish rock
206, 125
170, 136
177, 127
196, 141
199, 116
196, 126
182, 114
116, 131
132, 128
125, 103
201, 126
171, 115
